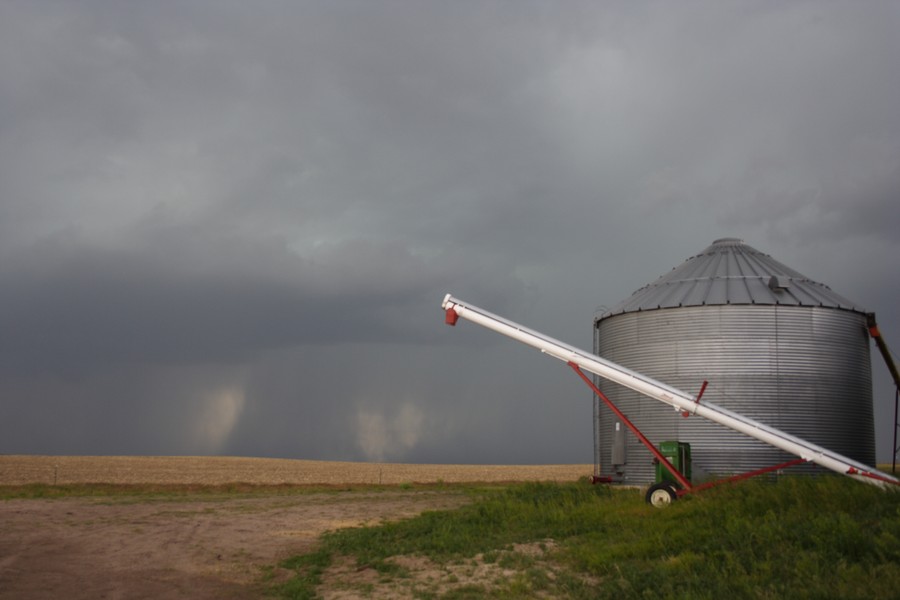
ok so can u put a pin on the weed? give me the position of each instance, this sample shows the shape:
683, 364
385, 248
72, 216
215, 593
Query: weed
466, 592
309, 569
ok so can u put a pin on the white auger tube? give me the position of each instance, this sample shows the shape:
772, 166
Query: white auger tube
678, 399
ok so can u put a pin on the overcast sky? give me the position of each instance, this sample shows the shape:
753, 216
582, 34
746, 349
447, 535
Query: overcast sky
227, 227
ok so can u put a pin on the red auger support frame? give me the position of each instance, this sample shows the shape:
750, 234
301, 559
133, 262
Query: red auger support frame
689, 405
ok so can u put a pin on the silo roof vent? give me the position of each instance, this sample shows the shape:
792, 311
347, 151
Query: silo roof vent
778, 283
729, 271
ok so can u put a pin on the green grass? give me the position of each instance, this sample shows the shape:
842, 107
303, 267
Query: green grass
141, 492
801, 537
145, 491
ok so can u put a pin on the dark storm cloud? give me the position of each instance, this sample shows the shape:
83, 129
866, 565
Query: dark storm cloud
183, 297
227, 228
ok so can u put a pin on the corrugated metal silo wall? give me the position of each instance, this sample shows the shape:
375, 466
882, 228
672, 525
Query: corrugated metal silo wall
804, 370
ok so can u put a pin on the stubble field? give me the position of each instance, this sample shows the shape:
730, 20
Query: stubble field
189, 470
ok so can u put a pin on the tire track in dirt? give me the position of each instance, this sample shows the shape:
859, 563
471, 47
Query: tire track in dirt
201, 546
83, 548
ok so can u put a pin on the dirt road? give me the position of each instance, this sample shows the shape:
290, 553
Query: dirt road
200, 547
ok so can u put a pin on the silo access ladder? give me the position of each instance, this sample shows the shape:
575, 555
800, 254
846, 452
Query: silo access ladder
664, 493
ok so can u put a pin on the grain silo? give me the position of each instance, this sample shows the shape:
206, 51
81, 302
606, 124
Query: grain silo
773, 344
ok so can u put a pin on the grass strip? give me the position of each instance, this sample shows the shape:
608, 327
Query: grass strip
797, 537
36, 491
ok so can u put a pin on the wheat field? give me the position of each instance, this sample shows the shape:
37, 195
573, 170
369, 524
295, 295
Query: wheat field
218, 470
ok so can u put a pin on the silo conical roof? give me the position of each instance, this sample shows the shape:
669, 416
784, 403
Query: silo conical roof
730, 271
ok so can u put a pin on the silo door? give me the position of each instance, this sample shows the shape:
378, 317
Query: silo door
618, 446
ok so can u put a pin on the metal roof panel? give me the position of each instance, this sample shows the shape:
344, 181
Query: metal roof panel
731, 272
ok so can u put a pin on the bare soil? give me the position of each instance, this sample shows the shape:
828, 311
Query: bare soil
200, 545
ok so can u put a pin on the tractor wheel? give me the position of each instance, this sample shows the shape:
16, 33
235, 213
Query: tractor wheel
661, 494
